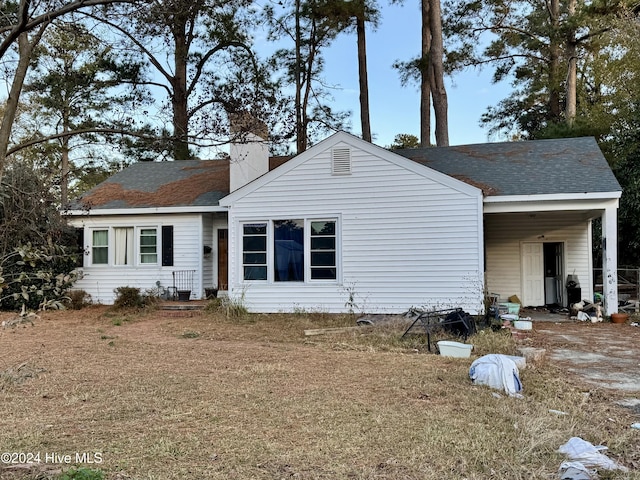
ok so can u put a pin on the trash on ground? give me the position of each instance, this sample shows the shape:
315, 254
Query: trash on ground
636, 426
454, 349
576, 471
557, 412
497, 371
579, 450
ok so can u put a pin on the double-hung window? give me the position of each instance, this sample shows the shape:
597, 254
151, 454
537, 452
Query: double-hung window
100, 247
131, 246
323, 250
148, 246
290, 250
254, 251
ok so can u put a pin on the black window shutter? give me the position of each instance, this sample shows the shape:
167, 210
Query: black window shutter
80, 246
167, 245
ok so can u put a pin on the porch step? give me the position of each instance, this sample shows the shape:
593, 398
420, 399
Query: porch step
181, 306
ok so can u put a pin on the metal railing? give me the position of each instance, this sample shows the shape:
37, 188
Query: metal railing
628, 283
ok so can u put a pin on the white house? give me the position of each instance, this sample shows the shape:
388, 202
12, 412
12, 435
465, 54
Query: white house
349, 225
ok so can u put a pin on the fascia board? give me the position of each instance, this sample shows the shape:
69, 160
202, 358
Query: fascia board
550, 205
143, 211
554, 197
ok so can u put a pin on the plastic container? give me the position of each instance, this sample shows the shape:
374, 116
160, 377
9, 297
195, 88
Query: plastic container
454, 349
523, 324
513, 308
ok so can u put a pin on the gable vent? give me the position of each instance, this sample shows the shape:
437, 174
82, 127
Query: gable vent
341, 161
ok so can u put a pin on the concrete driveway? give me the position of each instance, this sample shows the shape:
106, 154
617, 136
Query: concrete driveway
603, 354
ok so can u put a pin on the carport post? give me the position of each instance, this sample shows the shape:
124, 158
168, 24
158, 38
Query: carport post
610, 258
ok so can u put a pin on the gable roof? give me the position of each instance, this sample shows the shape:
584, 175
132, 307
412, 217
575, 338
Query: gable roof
362, 146
535, 167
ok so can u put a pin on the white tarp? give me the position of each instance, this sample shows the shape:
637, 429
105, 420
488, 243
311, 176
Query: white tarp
497, 371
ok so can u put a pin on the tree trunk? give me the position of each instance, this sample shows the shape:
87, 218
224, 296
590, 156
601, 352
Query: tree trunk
64, 168
11, 106
554, 62
425, 82
438, 90
571, 93
301, 143
362, 72
180, 97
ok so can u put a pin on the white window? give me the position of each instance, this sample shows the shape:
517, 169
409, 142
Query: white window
100, 247
290, 250
254, 251
148, 246
123, 243
323, 250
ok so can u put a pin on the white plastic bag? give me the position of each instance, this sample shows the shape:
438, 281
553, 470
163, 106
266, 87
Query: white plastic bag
497, 371
589, 455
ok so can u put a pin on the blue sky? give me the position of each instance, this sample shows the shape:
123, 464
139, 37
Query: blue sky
396, 109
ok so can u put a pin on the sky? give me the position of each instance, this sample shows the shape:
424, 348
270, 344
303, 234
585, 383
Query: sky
396, 109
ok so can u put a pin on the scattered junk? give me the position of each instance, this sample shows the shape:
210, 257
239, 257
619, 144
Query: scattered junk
454, 321
506, 314
523, 324
575, 471
584, 460
454, 349
497, 371
586, 311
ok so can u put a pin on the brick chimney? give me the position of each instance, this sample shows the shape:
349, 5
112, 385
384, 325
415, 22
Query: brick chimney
249, 150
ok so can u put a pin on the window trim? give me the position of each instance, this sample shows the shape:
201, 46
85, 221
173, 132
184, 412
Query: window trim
307, 220
141, 254
137, 246
92, 247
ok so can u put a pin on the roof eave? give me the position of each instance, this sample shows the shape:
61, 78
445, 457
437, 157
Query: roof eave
551, 203
145, 210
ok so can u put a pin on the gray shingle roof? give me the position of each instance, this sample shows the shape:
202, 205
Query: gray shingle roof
568, 165
161, 184
572, 165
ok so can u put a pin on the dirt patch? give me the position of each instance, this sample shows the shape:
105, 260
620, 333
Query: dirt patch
212, 398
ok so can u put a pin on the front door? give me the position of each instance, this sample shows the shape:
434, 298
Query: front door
223, 259
532, 274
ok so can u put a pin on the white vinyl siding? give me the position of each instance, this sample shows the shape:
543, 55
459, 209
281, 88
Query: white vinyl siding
101, 280
406, 238
505, 234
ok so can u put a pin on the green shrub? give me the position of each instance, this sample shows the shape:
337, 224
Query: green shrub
128, 297
82, 474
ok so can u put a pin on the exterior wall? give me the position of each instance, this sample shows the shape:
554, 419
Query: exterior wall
504, 234
208, 259
404, 239
101, 280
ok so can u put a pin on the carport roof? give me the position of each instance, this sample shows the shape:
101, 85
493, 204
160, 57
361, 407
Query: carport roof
537, 167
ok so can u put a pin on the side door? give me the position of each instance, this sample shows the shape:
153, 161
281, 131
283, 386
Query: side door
532, 254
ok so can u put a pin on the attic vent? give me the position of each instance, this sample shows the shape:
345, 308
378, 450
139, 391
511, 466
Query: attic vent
341, 161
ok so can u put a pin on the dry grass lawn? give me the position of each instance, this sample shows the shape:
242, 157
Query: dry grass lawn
206, 397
